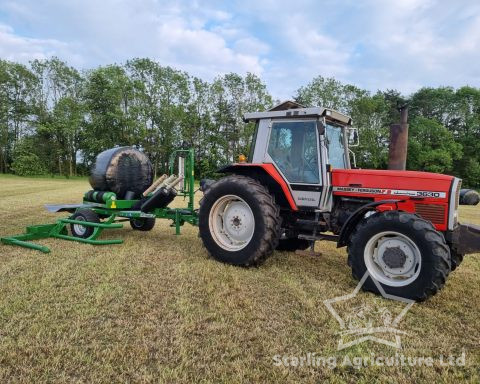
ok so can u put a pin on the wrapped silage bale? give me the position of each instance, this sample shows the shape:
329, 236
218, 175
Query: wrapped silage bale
121, 170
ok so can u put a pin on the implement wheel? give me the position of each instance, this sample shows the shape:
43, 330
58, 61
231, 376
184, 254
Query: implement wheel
83, 231
142, 223
239, 221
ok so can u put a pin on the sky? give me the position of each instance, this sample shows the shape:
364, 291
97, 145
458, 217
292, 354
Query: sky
373, 44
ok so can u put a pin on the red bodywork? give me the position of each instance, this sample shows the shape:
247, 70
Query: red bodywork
275, 175
424, 193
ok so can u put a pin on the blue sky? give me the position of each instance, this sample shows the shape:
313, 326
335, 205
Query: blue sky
403, 44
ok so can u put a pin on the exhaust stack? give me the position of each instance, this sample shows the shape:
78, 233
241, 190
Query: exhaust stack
397, 154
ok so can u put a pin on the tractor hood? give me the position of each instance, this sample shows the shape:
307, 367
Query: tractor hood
384, 184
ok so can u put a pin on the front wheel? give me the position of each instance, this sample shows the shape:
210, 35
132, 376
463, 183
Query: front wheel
457, 259
239, 221
402, 252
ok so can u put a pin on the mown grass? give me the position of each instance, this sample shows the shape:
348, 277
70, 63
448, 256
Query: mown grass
158, 309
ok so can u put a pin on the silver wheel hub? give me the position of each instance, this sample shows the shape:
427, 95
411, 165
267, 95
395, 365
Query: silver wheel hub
231, 222
79, 229
392, 258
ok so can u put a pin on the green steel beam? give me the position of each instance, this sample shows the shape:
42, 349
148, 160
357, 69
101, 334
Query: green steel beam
89, 240
25, 244
90, 224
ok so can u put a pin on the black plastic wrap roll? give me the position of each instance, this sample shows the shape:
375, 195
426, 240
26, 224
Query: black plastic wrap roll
469, 197
160, 199
120, 170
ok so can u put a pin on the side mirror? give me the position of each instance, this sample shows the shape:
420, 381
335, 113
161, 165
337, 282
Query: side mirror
353, 139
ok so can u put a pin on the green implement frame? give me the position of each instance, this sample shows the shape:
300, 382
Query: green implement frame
117, 210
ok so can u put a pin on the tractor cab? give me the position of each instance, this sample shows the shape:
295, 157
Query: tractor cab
303, 144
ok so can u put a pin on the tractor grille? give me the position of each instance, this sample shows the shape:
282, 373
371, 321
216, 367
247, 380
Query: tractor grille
431, 212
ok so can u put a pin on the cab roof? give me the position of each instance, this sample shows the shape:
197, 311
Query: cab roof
291, 109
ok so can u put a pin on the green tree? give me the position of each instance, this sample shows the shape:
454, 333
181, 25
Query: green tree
330, 93
370, 115
108, 98
431, 147
17, 84
232, 97
459, 111
59, 113
465, 126
26, 162
161, 98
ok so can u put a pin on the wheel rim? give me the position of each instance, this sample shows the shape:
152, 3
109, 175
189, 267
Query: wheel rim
231, 223
79, 229
392, 259
137, 223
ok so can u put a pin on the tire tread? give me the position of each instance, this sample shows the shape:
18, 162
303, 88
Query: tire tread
269, 210
429, 233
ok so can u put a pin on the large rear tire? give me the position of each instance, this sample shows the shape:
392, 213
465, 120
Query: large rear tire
239, 221
402, 252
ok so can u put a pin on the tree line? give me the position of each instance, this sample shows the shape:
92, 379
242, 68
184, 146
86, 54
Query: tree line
54, 118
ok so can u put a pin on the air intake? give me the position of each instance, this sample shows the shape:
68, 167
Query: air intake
431, 212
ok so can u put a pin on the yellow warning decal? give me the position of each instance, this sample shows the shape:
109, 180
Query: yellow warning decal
113, 205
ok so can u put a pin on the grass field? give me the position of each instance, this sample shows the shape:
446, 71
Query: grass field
158, 309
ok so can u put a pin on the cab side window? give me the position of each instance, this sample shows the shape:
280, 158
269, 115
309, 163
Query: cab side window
336, 146
293, 146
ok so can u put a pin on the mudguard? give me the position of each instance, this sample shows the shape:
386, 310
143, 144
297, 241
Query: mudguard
276, 184
355, 218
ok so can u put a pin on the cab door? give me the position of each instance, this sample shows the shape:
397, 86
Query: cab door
293, 147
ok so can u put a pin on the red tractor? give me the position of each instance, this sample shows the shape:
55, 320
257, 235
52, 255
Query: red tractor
297, 186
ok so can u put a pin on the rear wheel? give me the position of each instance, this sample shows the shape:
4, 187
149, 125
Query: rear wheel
142, 223
402, 252
239, 221
83, 231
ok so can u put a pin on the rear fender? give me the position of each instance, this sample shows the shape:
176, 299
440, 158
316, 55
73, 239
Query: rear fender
355, 218
267, 175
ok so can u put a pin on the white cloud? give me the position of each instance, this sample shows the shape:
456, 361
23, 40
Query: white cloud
422, 43
202, 51
186, 35
374, 44
252, 46
23, 49
301, 47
